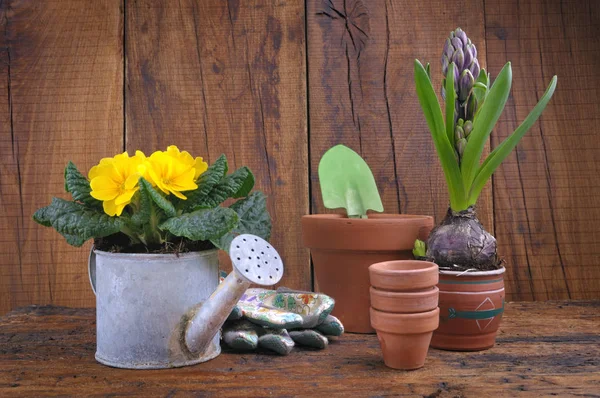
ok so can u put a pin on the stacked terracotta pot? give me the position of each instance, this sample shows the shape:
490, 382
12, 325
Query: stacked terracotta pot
404, 310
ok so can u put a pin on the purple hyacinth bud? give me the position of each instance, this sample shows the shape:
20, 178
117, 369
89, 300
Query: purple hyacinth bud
448, 48
465, 84
468, 57
458, 58
457, 43
475, 69
444, 90
456, 75
474, 50
445, 62
461, 35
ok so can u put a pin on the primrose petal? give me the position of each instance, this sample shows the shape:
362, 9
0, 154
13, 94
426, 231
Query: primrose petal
124, 198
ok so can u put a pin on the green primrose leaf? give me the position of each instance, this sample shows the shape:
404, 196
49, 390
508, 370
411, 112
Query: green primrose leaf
74, 240
206, 182
79, 187
203, 224
253, 218
498, 155
486, 119
435, 121
76, 222
146, 189
236, 185
347, 182
143, 213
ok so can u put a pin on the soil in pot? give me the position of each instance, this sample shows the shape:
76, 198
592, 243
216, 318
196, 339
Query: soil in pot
471, 307
342, 250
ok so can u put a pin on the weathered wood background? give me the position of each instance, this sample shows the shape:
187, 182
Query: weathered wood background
273, 84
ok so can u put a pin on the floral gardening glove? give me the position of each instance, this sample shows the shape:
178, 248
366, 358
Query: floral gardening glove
277, 320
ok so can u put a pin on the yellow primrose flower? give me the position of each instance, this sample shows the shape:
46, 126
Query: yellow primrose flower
172, 171
115, 180
199, 164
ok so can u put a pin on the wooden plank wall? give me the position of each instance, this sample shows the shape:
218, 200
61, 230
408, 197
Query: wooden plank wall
273, 84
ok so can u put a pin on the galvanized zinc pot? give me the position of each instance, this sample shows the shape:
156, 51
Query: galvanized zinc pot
158, 311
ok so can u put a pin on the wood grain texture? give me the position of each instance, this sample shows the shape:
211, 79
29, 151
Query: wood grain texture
543, 349
227, 77
231, 77
62, 81
362, 93
545, 193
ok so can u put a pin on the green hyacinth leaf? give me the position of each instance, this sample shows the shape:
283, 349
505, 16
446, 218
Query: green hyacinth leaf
435, 121
481, 87
347, 182
76, 222
484, 122
450, 101
203, 224
253, 218
79, 187
494, 159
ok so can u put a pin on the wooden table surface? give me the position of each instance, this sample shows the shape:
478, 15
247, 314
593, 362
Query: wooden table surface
543, 349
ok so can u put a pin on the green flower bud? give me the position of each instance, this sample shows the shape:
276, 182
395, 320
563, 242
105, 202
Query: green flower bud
468, 127
459, 133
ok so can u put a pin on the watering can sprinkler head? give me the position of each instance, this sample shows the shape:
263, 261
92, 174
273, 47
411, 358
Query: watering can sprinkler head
254, 261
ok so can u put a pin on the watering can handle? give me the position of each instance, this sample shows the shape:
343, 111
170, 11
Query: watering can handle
92, 269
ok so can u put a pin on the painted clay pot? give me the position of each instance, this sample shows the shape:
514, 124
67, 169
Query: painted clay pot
471, 307
342, 250
404, 338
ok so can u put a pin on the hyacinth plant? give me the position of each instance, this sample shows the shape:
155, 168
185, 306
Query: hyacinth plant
473, 105
156, 200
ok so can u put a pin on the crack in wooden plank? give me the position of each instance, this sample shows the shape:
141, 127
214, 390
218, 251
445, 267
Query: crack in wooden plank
264, 137
14, 142
350, 87
549, 180
202, 89
387, 104
231, 23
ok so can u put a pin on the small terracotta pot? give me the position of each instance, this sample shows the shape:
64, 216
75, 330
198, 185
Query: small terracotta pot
404, 338
405, 302
342, 250
471, 307
403, 276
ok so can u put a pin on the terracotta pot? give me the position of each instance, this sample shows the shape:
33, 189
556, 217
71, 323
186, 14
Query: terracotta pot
404, 276
342, 250
405, 302
404, 338
471, 307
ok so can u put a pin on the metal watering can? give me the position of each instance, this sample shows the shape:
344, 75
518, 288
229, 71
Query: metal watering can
157, 311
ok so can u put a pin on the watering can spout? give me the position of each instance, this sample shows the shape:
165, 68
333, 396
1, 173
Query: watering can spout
254, 261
